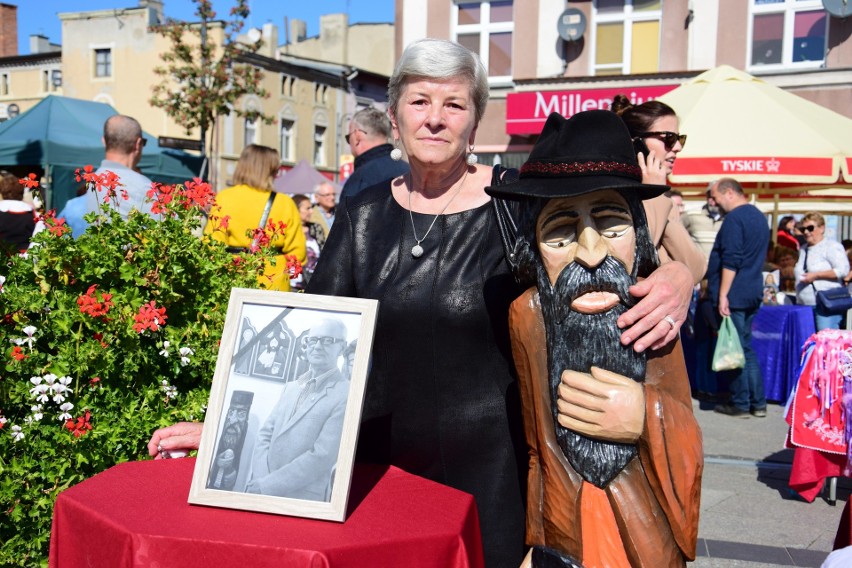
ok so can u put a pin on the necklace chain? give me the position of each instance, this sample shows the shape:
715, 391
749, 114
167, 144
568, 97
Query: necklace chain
417, 250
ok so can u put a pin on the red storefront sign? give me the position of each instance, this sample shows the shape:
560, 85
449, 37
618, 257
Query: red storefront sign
527, 111
754, 165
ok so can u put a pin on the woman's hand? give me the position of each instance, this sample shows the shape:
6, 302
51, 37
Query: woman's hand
653, 169
656, 319
175, 440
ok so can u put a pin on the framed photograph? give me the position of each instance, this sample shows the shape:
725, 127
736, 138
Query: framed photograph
285, 404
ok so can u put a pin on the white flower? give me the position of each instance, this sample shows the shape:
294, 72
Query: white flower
18, 341
170, 391
50, 378
2, 281
35, 380
40, 392
17, 435
3, 421
58, 398
36, 410
165, 350
65, 407
185, 353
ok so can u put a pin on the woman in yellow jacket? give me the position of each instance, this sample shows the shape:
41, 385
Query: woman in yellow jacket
244, 205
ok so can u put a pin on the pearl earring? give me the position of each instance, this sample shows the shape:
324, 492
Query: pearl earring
472, 158
396, 153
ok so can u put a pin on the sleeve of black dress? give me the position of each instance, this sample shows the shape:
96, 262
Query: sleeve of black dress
334, 273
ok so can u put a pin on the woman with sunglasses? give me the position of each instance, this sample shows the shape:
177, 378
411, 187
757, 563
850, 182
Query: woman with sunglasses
822, 265
654, 128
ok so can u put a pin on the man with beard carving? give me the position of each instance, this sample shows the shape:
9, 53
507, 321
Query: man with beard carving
615, 451
226, 464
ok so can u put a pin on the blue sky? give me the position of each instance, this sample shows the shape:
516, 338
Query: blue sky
40, 16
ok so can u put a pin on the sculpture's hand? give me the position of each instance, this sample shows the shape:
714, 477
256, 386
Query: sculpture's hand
666, 292
602, 405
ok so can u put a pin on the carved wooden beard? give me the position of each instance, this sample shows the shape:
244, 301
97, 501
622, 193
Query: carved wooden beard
576, 342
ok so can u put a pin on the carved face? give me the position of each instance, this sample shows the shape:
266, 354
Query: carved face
586, 229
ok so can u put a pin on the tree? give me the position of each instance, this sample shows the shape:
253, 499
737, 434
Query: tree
201, 80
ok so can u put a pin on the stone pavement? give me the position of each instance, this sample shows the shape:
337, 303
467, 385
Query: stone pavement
749, 517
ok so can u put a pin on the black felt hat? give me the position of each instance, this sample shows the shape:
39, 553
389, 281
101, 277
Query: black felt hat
588, 152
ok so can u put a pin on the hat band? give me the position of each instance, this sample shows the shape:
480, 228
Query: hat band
574, 168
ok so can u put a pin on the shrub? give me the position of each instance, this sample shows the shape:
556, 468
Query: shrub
104, 338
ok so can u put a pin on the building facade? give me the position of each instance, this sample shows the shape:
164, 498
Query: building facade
641, 48
110, 56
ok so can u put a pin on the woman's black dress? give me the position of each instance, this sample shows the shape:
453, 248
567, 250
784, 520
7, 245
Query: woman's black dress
441, 398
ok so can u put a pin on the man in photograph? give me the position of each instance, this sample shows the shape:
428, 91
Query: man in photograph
296, 449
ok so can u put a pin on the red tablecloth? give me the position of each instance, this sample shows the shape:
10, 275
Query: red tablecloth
810, 468
136, 514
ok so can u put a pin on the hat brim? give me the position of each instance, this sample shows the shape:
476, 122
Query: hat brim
550, 188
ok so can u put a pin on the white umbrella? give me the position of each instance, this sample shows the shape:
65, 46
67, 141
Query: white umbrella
742, 127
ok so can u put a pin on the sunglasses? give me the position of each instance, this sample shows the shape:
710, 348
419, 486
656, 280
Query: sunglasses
356, 130
808, 229
325, 340
669, 139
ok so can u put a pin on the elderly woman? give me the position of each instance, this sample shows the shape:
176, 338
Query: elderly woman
251, 201
822, 265
442, 401
654, 128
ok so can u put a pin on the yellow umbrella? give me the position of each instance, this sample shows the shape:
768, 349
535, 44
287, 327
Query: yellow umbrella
742, 127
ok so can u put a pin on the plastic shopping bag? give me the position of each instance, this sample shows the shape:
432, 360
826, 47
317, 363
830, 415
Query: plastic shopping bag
729, 353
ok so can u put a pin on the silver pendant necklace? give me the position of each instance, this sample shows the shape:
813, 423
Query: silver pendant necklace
417, 250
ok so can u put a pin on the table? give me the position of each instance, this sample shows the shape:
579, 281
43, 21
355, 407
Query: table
136, 514
777, 336
817, 413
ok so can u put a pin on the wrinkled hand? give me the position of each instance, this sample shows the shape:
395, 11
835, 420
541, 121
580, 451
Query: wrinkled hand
653, 169
602, 405
180, 437
666, 292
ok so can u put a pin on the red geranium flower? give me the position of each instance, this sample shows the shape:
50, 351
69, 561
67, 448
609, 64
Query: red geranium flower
89, 303
149, 317
18, 353
81, 425
30, 181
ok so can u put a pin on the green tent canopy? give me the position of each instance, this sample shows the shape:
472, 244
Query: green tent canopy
61, 134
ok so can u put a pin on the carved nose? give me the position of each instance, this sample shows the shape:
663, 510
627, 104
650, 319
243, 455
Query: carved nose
591, 249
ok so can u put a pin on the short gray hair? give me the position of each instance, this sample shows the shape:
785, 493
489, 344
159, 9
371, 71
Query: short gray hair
373, 121
439, 59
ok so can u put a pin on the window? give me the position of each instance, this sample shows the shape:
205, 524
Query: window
287, 83
103, 62
787, 33
319, 145
626, 37
251, 132
486, 28
288, 139
5, 85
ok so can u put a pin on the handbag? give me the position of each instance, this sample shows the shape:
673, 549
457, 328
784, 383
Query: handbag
834, 301
729, 352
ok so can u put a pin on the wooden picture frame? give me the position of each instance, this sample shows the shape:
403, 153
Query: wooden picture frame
274, 440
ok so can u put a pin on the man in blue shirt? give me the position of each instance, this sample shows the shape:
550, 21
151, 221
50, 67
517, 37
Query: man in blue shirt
123, 144
735, 282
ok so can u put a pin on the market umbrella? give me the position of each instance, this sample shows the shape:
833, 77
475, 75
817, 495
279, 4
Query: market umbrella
742, 127
302, 178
